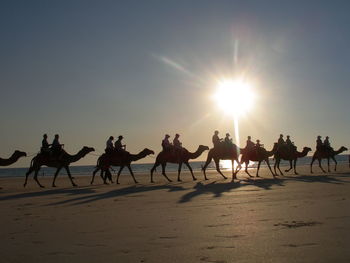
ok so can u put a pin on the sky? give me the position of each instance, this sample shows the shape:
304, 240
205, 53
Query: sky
90, 69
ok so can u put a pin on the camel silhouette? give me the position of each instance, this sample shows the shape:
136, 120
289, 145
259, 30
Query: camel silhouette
13, 158
180, 157
324, 154
258, 155
63, 161
288, 154
222, 152
117, 159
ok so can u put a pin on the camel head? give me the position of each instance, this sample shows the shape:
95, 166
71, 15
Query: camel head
202, 148
343, 149
147, 151
19, 154
307, 149
86, 150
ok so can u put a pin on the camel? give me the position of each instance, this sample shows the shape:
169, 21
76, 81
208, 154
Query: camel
222, 152
63, 161
284, 153
117, 159
181, 157
321, 154
258, 155
14, 158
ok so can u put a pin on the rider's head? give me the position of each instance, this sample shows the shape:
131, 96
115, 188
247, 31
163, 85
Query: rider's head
167, 136
56, 136
111, 138
318, 137
177, 135
327, 137
281, 135
45, 136
120, 137
288, 136
216, 132
257, 141
227, 135
249, 138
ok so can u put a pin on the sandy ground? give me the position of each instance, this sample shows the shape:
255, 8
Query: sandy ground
304, 218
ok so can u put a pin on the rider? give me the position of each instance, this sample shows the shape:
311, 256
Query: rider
56, 146
228, 140
109, 145
319, 143
45, 146
258, 145
118, 146
327, 144
250, 145
165, 143
280, 141
215, 139
177, 144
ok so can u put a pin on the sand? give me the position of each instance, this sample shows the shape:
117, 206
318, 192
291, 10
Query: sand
304, 218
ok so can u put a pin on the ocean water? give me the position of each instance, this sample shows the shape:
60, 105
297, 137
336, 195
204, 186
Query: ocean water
145, 168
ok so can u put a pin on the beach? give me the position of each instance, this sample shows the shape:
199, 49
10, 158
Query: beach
294, 218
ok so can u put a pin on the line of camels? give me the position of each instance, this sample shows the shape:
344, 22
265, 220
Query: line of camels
220, 152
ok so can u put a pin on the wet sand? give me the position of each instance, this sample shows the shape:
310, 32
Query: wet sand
304, 218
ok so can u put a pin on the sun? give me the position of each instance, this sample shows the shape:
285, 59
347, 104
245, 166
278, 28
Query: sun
234, 96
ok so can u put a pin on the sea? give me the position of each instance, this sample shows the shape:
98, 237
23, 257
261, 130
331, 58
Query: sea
146, 167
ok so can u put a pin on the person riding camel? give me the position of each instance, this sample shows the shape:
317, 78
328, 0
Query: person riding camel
109, 145
280, 141
258, 145
177, 144
249, 145
45, 146
327, 144
165, 143
290, 144
319, 143
228, 140
118, 146
215, 139
56, 147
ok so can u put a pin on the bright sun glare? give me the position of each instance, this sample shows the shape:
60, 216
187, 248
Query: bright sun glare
234, 97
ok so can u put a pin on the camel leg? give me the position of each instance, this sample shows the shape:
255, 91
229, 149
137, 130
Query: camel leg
163, 172
93, 175
257, 170
54, 178
328, 163
268, 164
179, 171
36, 178
27, 174
217, 161
204, 167
246, 169
320, 165
275, 165
239, 167
104, 177
70, 176
132, 174
279, 169
190, 168
312, 162
233, 170
295, 166
290, 168
336, 163
153, 169
119, 172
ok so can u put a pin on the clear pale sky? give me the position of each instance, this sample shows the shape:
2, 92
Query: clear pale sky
90, 69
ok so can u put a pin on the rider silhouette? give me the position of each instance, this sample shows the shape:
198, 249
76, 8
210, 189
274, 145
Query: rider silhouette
165, 143
45, 146
215, 139
319, 143
56, 146
109, 145
118, 146
327, 144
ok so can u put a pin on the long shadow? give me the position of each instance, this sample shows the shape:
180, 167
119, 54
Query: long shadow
317, 178
218, 189
68, 191
118, 192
